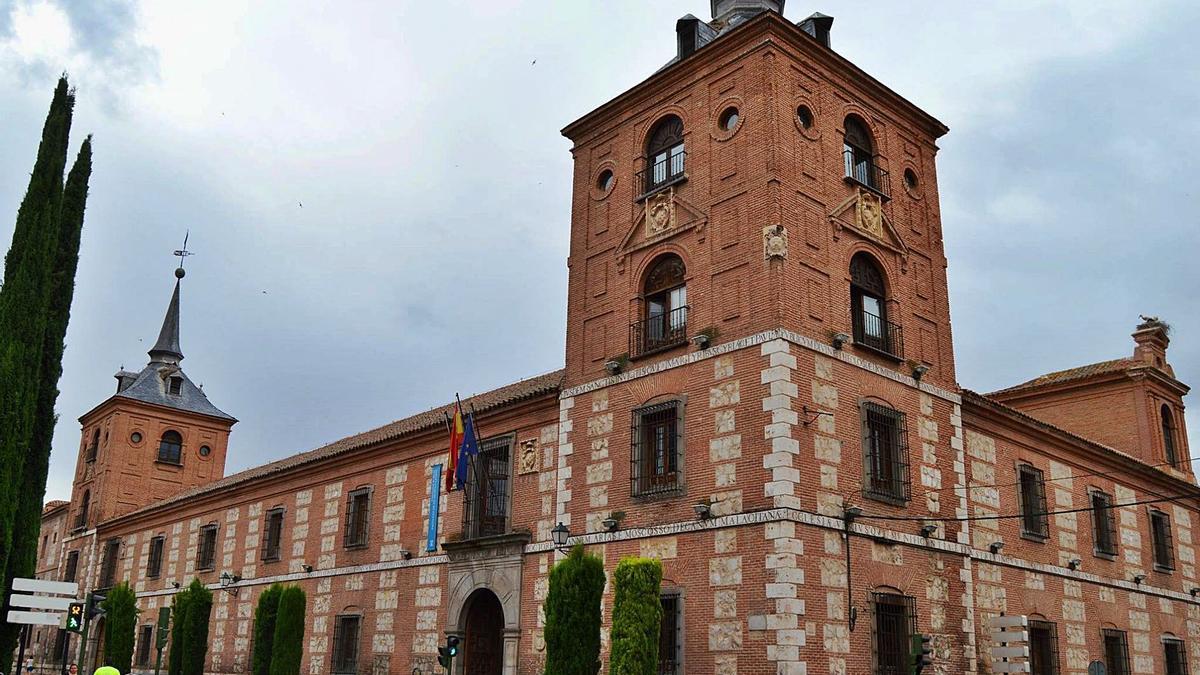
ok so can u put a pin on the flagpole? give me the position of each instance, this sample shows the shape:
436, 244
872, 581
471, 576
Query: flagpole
474, 466
450, 433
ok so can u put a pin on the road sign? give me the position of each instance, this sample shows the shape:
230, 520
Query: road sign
33, 609
44, 586
39, 602
35, 618
1010, 643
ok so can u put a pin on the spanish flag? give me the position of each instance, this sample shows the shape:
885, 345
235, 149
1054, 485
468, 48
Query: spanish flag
456, 438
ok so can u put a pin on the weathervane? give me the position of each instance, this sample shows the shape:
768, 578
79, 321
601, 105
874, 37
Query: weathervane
182, 254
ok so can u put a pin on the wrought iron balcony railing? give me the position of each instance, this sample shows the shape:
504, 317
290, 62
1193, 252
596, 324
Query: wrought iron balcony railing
660, 174
658, 331
865, 171
879, 334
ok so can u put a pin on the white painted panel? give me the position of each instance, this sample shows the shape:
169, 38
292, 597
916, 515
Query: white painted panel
44, 586
40, 601
35, 618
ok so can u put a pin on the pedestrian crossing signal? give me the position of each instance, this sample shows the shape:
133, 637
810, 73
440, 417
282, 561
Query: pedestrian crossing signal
75, 617
922, 653
446, 654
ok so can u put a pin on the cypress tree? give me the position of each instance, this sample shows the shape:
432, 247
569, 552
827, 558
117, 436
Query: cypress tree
264, 629
195, 629
636, 617
27, 522
120, 624
23, 317
179, 613
287, 649
573, 615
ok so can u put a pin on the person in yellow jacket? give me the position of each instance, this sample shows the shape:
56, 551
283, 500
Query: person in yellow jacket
107, 670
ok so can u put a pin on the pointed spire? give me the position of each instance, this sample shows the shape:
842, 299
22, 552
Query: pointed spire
167, 349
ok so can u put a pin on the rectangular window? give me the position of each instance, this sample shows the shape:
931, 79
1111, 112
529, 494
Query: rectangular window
154, 560
1116, 652
895, 624
60, 641
273, 537
108, 570
1164, 547
1034, 520
345, 643
206, 552
1104, 526
656, 440
670, 635
358, 518
1043, 648
145, 644
72, 566
1175, 656
485, 507
885, 453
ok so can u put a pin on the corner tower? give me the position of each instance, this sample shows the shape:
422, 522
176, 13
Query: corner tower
156, 436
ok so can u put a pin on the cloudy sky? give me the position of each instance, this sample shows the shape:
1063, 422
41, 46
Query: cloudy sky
378, 195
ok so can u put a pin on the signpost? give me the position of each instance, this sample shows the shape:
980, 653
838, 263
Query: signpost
160, 638
1010, 644
39, 603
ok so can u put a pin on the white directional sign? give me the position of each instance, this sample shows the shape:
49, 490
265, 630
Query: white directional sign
35, 618
44, 586
1010, 644
40, 610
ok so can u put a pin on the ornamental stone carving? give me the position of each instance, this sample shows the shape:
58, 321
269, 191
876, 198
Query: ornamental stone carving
775, 242
527, 460
660, 213
869, 213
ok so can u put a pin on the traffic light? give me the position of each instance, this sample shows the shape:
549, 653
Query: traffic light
75, 617
93, 605
922, 653
446, 654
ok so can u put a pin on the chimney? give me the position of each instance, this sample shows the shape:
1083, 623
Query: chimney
1151, 340
818, 26
728, 13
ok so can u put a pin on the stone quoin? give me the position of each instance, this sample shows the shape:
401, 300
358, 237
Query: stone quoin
759, 389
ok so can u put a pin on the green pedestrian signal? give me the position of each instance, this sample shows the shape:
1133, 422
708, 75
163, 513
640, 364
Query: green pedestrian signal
75, 617
922, 653
446, 654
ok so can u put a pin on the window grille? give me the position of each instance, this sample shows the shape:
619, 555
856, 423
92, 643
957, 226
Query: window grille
72, 567
1168, 431
81, 518
206, 553
895, 624
1104, 526
94, 447
145, 642
1043, 647
273, 537
1116, 652
885, 453
670, 635
485, 504
358, 510
1034, 520
655, 440
170, 448
1175, 656
345, 643
1164, 546
154, 560
108, 571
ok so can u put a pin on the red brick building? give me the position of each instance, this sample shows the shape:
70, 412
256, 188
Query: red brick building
759, 389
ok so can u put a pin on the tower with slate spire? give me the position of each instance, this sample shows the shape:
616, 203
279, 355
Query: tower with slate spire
156, 436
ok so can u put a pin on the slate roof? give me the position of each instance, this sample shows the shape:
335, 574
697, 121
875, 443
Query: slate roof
53, 505
512, 393
150, 386
1071, 374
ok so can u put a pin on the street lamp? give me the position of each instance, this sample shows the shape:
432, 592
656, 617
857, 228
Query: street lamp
559, 534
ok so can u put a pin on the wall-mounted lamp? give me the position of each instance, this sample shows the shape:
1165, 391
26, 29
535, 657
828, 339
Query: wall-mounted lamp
996, 546
919, 371
306, 567
612, 367
227, 583
840, 339
703, 510
852, 512
611, 524
928, 529
174, 584
701, 340
559, 534
1074, 563
1139, 578
406, 554
1195, 591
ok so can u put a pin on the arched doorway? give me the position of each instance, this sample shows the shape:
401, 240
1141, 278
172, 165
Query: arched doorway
483, 634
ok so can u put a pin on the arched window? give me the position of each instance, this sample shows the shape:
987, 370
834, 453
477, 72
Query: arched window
170, 448
868, 305
860, 155
1168, 432
95, 446
81, 517
665, 308
664, 152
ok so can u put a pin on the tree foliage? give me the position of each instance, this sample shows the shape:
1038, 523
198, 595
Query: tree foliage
288, 645
264, 629
189, 630
636, 617
178, 618
573, 615
120, 625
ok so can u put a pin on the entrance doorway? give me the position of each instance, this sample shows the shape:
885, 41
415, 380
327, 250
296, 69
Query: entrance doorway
483, 634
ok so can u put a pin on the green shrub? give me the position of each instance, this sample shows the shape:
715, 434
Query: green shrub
120, 625
179, 608
288, 647
636, 616
264, 629
195, 629
573, 615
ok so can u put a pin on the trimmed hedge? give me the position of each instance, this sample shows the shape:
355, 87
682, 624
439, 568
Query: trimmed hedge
120, 625
573, 615
288, 647
264, 629
637, 616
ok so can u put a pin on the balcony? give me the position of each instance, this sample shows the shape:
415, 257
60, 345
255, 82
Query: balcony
658, 332
865, 171
879, 334
662, 174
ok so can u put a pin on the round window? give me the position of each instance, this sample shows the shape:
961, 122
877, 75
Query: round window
910, 180
729, 119
804, 116
135, 437
605, 181
205, 451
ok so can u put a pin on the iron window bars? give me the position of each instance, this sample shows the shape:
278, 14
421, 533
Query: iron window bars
72, 566
1034, 520
206, 553
895, 624
670, 635
1164, 546
485, 504
1043, 647
1116, 651
658, 331
655, 441
885, 454
108, 570
1104, 526
273, 536
155, 558
345, 643
145, 642
1175, 656
358, 518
